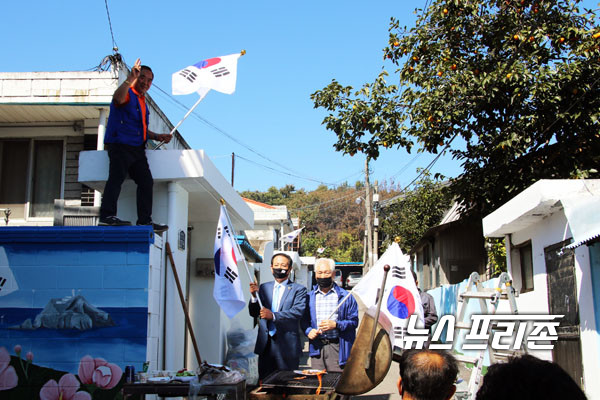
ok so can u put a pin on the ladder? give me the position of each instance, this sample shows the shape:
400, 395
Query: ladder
475, 290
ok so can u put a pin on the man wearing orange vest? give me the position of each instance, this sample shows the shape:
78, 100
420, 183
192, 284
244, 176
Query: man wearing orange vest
125, 140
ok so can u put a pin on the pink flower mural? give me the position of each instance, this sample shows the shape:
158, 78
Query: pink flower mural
65, 389
8, 375
98, 371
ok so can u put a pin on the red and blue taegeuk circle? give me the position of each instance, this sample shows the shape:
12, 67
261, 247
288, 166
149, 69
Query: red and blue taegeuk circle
400, 302
207, 63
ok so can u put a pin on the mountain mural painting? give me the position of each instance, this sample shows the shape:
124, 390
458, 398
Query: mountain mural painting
69, 313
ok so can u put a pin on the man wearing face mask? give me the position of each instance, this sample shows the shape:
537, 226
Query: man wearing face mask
331, 332
283, 303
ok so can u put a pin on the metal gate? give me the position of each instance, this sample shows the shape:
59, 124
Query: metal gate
562, 300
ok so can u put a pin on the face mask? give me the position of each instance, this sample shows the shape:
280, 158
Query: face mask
324, 282
280, 273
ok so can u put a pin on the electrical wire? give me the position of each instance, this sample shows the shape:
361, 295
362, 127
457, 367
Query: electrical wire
112, 35
247, 147
283, 173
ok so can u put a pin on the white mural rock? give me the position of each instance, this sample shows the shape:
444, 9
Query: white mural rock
69, 313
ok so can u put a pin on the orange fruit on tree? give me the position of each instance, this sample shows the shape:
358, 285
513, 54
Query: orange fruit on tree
439, 73
453, 67
445, 11
516, 37
561, 40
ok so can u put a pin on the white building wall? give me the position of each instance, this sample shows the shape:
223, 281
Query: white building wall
550, 231
210, 323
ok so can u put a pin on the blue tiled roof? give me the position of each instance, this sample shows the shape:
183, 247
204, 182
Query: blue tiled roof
69, 234
248, 249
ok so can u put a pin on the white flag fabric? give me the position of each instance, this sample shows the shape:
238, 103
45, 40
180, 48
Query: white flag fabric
228, 287
289, 237
8, 283
218, 73
401, 297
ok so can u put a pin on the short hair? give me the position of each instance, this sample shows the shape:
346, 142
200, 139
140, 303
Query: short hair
327, 261
428, 374
528, 377
147, 68
290, 262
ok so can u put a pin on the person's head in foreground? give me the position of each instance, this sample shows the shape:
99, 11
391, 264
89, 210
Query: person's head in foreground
528, 377
427, 375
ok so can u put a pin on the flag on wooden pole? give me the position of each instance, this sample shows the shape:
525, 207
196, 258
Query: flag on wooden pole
228, 287
401, 297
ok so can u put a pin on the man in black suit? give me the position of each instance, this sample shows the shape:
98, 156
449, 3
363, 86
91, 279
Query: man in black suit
283, 303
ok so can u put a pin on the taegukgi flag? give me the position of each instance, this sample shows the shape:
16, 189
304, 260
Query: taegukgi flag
228, 287
401, 297
289, 237
218, 73
8, 283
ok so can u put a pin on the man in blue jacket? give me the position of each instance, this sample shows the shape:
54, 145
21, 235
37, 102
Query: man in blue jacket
331, 332
283, 303
125, 139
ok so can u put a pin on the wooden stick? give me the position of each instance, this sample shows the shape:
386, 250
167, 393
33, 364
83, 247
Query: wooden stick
183, 305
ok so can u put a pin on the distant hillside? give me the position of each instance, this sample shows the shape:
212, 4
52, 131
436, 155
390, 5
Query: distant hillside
333, 218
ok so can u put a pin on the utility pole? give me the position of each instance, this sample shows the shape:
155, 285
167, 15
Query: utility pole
232, 167
375, 224
368, 233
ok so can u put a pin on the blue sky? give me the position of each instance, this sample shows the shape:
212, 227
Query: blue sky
293, 49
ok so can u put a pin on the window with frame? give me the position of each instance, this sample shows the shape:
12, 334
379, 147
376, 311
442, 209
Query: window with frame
30, 176
526, 261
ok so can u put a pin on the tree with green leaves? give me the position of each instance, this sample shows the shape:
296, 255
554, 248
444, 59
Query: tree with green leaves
407, 219
511, 88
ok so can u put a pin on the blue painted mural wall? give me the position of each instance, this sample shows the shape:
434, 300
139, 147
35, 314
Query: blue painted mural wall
73, 300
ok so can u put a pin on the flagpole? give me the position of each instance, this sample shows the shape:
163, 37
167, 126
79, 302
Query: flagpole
252, 279
183, 119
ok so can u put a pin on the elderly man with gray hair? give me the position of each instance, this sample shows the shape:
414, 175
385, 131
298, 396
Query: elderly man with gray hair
331, 330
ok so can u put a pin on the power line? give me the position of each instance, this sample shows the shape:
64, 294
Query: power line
112, 35
247, 147
283, 173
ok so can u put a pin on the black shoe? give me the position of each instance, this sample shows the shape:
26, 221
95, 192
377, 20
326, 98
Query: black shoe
112, 221
158, 228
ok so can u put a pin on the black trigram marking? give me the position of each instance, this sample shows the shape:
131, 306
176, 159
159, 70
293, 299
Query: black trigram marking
399, 272
230, 275
399, 332
2, 282
219, 232
220, 72
226, 229
189, 75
